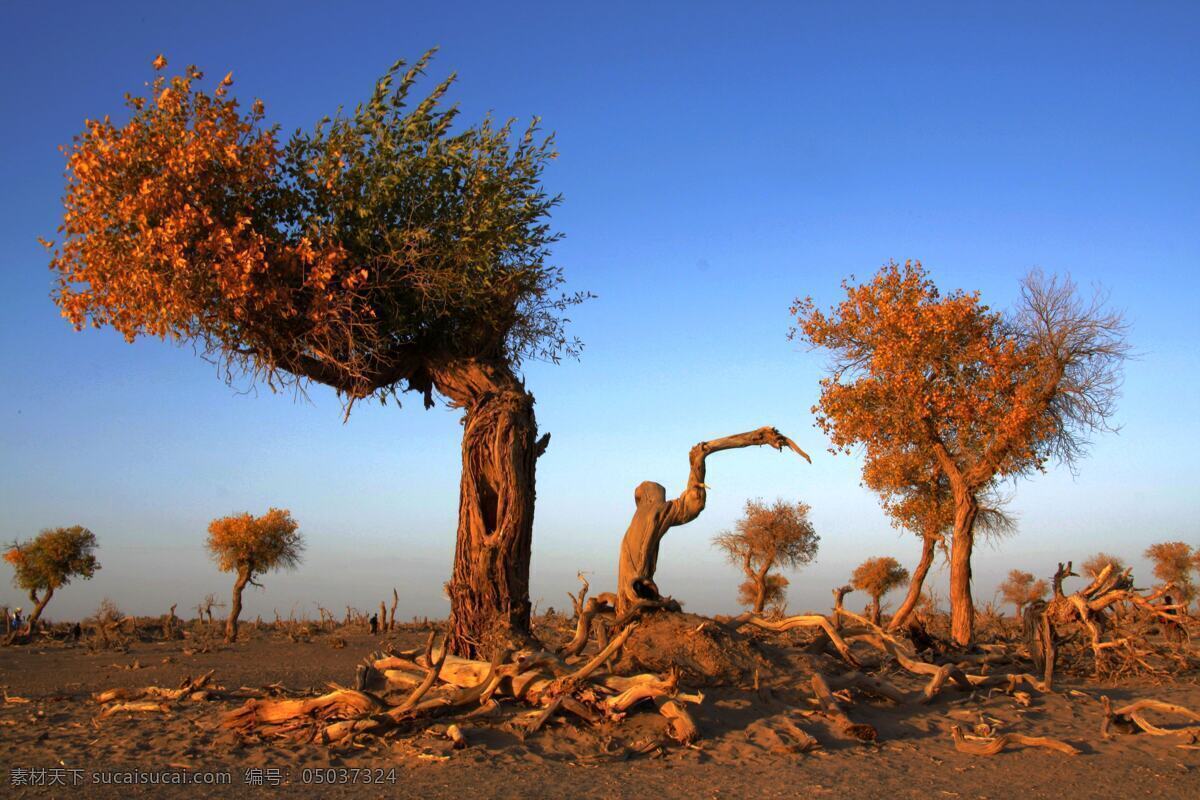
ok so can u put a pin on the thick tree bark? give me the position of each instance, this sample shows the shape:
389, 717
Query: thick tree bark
962, 607
655, 515
916, 585
235, 605
489, 588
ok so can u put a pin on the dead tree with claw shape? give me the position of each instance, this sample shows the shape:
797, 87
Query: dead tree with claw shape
655, 515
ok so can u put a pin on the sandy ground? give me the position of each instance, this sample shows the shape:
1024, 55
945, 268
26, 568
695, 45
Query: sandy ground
56, 736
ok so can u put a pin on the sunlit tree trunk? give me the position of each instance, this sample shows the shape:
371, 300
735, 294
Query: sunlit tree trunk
38, 607
489, 588
916, 585
760, 594
962, 607
235, 605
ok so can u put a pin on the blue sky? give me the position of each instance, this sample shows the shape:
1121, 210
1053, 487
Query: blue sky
717, 160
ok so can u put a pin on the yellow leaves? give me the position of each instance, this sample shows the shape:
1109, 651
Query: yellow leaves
259, 543
228, 79
160, 62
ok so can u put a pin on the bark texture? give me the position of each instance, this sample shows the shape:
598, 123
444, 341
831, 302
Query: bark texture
489, 589
655, 514
962, 606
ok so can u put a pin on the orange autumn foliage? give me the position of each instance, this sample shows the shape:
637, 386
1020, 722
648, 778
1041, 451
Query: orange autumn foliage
255, 544
940, 388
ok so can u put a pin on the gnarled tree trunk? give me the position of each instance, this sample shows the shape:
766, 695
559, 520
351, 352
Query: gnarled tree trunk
962, 607
916, 584
489, 588
235, 605
655, 515
38, 607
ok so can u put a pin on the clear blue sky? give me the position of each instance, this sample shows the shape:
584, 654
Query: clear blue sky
717, 161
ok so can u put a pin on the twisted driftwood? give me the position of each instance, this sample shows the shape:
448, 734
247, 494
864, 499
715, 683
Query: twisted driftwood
991, 746
1131, 718
655, 514
435, 684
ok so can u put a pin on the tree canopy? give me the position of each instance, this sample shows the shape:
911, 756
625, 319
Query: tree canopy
50, 560
878, 576
244, 542
1021, 588
1096, 564
367, 254
766, 537
1173, 563
984, 393
776, 535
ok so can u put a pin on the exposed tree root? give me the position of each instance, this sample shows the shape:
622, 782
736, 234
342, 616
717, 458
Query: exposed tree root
437, 684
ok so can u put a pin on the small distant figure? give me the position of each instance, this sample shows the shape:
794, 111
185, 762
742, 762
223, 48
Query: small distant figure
374, 624
76, 632
17, 620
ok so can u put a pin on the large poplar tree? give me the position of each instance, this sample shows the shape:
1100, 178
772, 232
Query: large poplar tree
389, 250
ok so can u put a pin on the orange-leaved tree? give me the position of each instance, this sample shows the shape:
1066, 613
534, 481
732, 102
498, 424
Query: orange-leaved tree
986, 396
386, 251
247, 546
48, 562
1021, 589
877, 577
764, 538
1173, 564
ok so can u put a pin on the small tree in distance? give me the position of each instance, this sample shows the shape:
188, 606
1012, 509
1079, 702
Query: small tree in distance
877, 577
766, 537
248, 546
1096, 564
1021, 589
48, 562
1173, 563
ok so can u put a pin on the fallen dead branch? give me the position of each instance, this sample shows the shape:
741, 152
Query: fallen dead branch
830, 708
1131, 718
992, 745
798, 621
136, 706
187, 688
